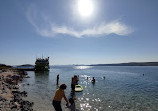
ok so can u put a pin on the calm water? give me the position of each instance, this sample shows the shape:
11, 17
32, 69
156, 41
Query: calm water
124, 89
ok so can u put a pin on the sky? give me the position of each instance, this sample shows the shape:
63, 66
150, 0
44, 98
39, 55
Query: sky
78, 32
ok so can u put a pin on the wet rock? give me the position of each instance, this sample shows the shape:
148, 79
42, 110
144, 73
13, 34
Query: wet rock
12, 100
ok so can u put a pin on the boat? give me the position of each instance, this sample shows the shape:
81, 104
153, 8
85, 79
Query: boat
78, 88
42, 64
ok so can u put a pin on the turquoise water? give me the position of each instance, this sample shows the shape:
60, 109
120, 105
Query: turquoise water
124, 88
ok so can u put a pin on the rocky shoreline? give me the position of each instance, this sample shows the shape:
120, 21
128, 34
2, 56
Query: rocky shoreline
11, 99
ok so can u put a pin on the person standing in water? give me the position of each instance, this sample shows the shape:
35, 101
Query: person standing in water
72, 106
93, 80
74, 82
59, 94
57, 79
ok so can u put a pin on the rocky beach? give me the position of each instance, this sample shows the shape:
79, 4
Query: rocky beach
11, 99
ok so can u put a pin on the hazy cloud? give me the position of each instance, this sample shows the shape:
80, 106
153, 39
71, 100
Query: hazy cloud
45, 27
103, 29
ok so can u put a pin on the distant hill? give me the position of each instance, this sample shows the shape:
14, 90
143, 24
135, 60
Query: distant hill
26, 65
129, 64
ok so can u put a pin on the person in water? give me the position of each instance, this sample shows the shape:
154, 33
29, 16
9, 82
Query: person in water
72, 106
93, 80
59, 94
74, 82
57, 79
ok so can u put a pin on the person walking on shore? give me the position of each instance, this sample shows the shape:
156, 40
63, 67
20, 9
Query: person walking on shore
59, 94
57, 79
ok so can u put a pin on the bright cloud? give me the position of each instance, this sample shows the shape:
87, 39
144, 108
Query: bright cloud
48, 29
103, 29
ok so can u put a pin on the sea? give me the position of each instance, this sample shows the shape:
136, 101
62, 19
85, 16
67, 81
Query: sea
124, 88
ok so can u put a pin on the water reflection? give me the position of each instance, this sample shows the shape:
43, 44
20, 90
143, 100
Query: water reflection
41, 79
82, 67
42, 75
88, 98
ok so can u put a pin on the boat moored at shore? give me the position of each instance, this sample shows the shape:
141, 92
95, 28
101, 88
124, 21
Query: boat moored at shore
42, 64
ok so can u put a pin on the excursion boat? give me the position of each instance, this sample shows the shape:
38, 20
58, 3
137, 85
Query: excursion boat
42, 64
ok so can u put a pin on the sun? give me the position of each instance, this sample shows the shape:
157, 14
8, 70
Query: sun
85, 8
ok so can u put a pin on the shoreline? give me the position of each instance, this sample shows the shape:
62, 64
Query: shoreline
10, 96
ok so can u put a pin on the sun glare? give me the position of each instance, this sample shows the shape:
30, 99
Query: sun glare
85, 7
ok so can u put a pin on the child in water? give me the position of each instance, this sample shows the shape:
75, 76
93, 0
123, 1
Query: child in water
72, 106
